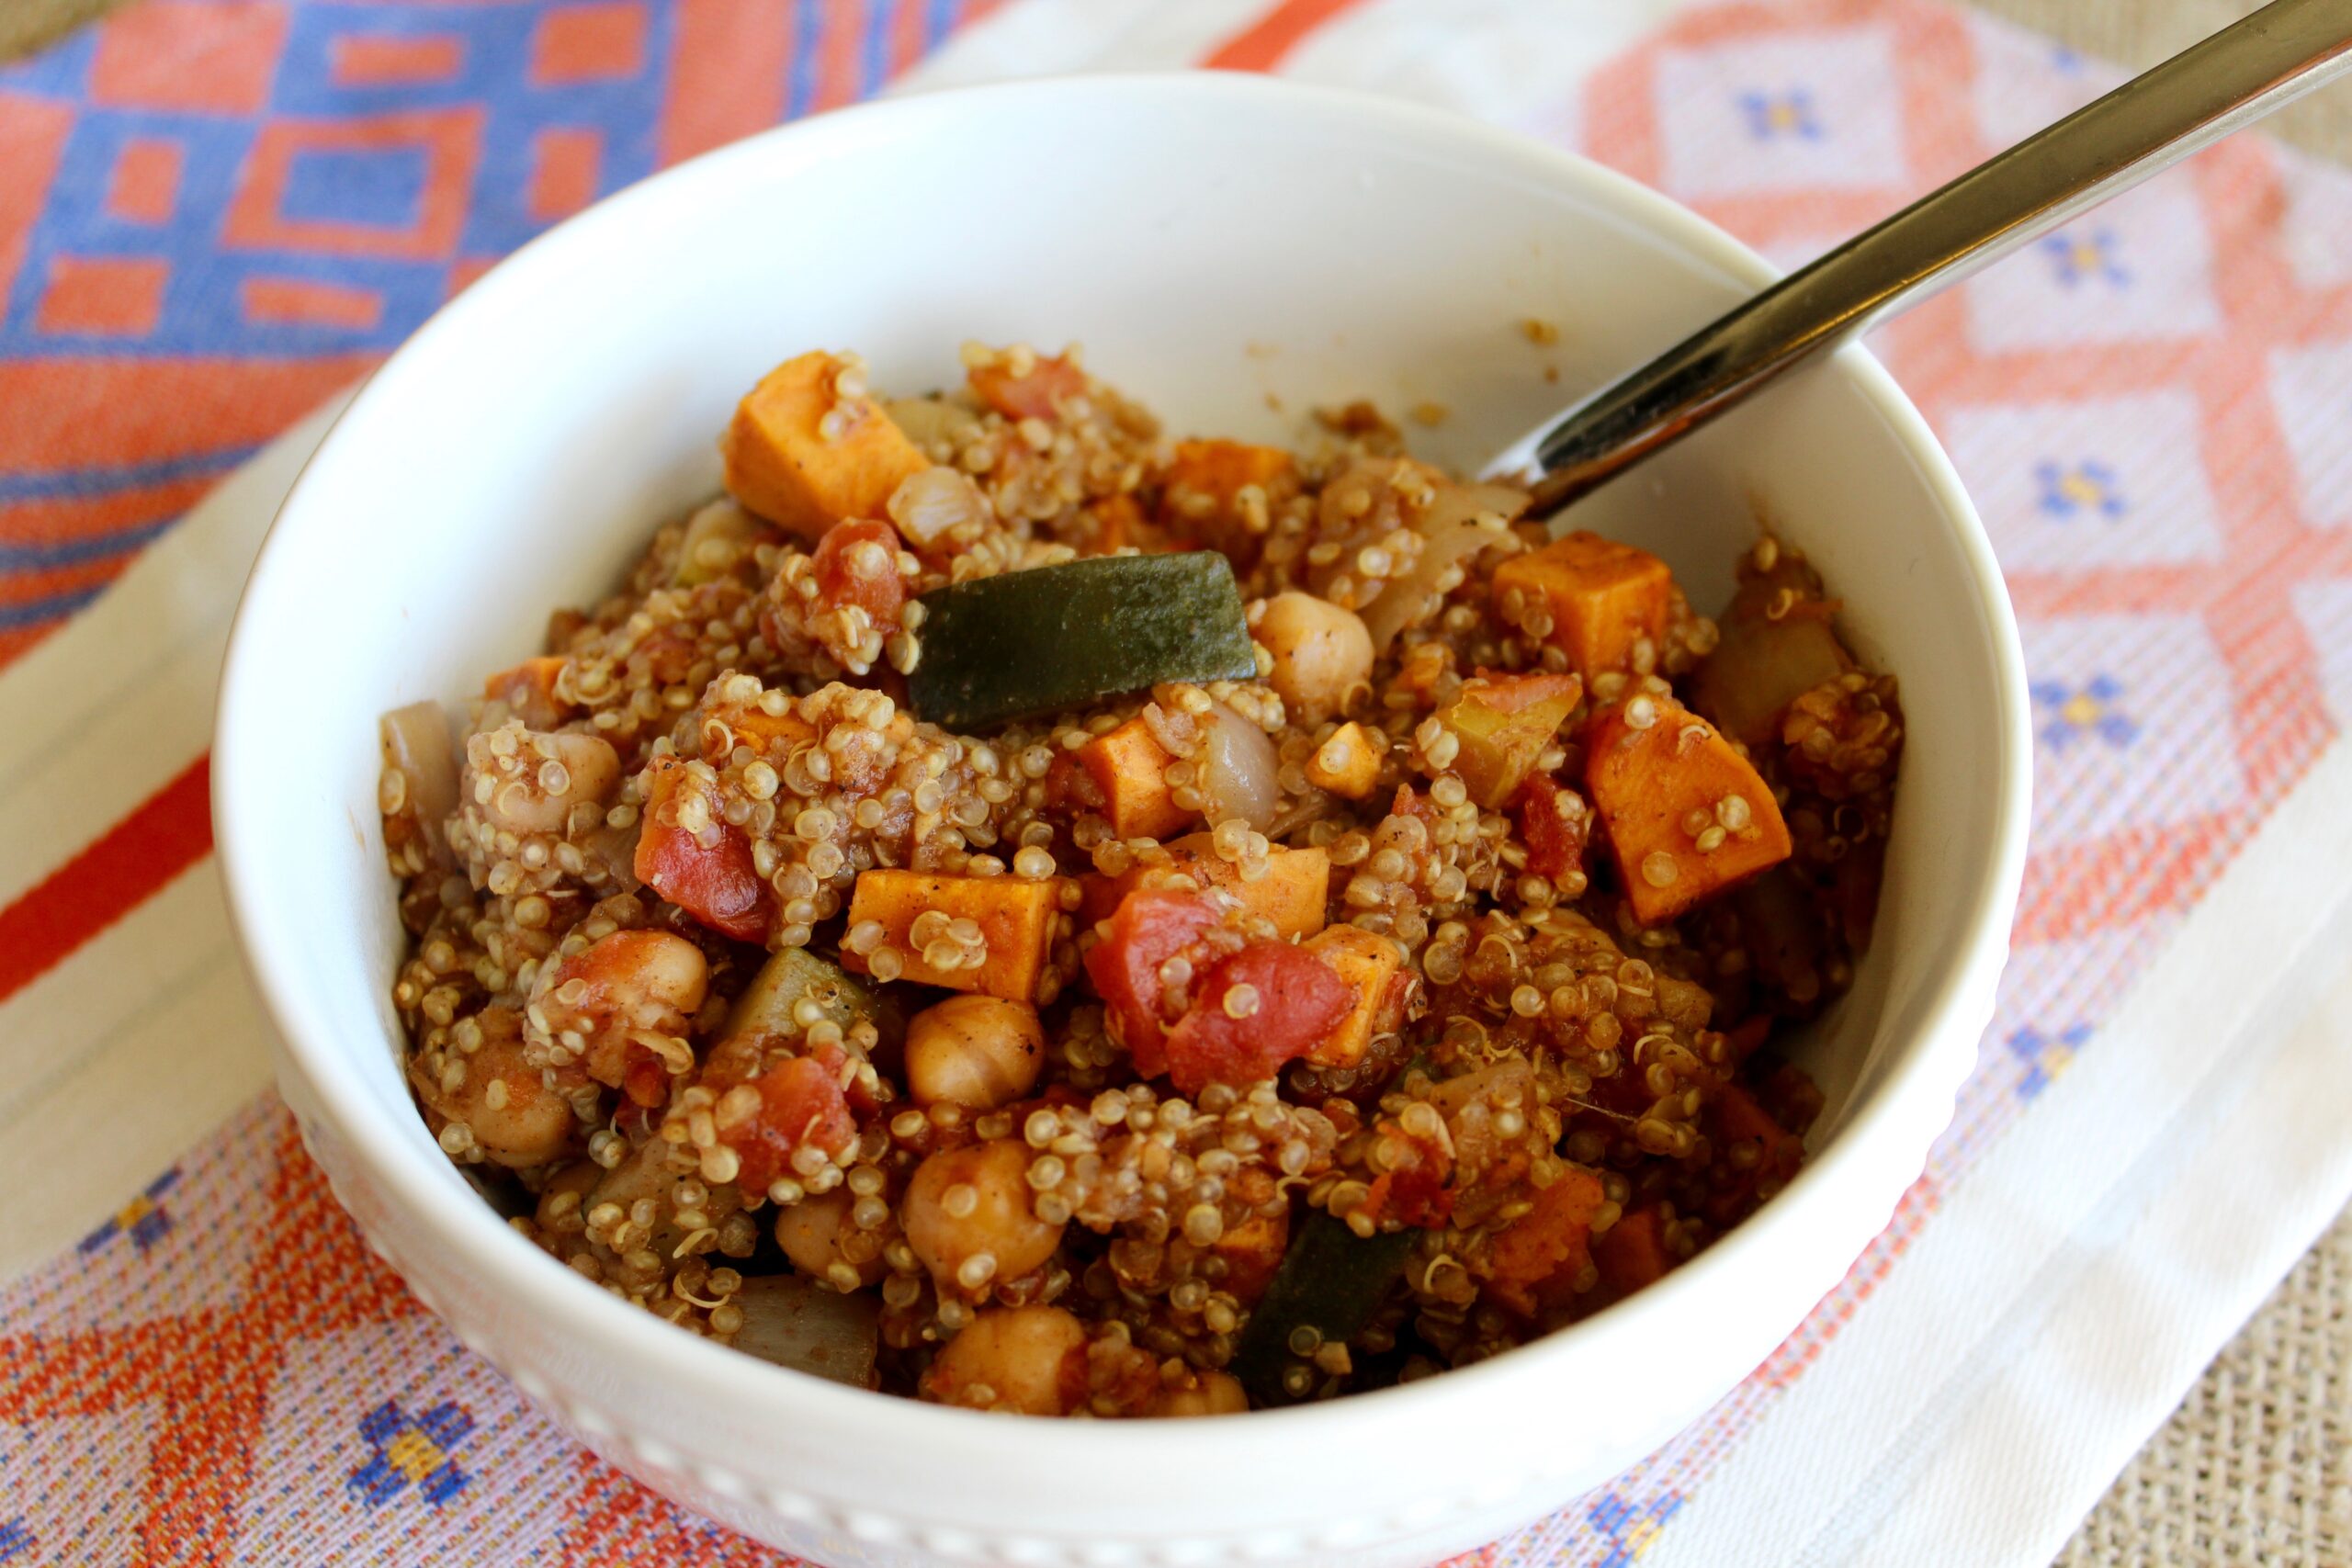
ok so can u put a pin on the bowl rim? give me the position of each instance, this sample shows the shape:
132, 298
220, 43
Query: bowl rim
1905, 1109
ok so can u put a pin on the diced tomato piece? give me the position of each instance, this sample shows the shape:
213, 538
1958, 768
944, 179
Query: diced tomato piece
1633, 1252
1033, 396
1550, 1243
1555, 822
1298, 1002
645, 1079
857, 563
669, 655
1412, 1191
1743, 1039
716, 883
801, 1102
1069, 788
1147, 930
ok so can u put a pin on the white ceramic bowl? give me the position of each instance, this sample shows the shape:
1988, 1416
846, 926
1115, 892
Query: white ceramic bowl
1219, 244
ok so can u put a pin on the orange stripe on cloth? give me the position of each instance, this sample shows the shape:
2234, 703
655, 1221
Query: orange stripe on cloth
101, 413
566, 164
131, 862
306, 302
366, 61
69, 520
1266, 42
839, 45
728, 66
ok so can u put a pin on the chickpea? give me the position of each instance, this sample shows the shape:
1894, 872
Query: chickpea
630, 982
1031, 1360
1320, 651
971, 1204
591, 770
520, 1122
1211, 1394
977, 1051
811, 1233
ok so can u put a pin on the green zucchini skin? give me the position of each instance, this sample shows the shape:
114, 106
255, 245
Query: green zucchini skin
1036, 642
1332, 1280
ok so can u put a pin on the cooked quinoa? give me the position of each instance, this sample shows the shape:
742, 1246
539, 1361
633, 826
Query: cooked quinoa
1009, 909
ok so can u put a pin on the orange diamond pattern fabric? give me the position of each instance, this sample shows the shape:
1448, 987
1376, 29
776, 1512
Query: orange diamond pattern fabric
215, 213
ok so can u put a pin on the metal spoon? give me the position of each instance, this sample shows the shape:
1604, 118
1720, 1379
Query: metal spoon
2151, 122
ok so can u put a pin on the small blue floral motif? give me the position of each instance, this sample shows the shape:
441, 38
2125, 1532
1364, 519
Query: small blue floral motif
1631, 1530
2045, 1055
2071, 490
16, 1540
2085, 712
411, 1453
2081, 257
1771, 116
143, 1220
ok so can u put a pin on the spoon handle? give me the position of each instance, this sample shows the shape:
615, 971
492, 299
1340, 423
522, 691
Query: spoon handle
2237, 76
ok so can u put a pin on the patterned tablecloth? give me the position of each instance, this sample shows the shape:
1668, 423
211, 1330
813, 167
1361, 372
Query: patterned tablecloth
216, 214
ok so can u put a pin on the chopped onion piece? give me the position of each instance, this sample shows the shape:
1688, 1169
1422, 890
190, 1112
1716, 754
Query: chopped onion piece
1451, 523
927, 421
930, 503
1460, 504
1760, 666
715, 537
416, 742
795, 1322
1239, 769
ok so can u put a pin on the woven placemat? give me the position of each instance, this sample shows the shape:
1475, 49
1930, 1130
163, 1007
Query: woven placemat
2255, 1466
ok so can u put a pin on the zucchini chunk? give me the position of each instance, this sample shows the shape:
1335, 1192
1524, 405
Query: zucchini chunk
1062, 637
1331, 1281
770, 1005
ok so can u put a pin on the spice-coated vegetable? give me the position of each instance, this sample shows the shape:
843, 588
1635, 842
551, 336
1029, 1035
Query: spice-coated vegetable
1685, 815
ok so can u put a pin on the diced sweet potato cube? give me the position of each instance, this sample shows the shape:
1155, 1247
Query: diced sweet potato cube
1603, 596
1252, 1251
1369, 964
728, 725
802, 455
1118, 523
1292, 894
1503, 726
1632, 1253
1547, 1246
1685, 815
528, 691
1206, 480
1016, 917
1130, 767
1219, 469
1349, 762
